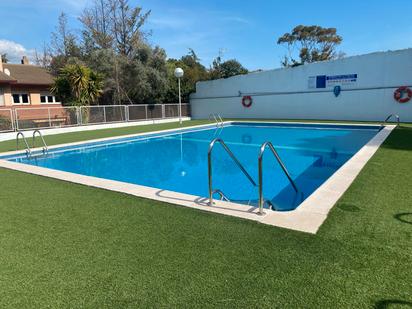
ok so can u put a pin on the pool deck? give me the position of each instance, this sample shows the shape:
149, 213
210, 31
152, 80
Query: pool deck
308, 217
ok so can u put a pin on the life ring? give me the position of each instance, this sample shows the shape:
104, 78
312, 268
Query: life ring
399, 94
247, 101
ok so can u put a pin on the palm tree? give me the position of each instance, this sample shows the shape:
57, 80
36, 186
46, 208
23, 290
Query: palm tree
78, 85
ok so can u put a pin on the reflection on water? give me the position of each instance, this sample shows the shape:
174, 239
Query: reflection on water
179, 162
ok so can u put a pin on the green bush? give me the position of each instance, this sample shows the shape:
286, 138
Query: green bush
5, 123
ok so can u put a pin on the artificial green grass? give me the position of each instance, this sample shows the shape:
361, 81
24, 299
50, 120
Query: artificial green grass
71, 246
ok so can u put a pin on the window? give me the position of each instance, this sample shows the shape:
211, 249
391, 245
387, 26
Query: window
47, 98
21, 98
16, 99
25, 98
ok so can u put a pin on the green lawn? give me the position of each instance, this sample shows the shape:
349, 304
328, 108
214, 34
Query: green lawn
71, 246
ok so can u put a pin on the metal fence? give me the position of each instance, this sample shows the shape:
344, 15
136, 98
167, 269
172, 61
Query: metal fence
6, 120
56, 117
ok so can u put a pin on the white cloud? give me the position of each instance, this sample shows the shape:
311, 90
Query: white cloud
167, 22
74, 4
206, 32
15, 51
237, 19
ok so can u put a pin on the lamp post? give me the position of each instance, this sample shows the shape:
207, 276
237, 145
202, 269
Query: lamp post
179, 74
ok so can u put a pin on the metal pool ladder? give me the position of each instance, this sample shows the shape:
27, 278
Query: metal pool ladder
389, 117
218, 119
209, 165
45, 148
264, 146
28, 150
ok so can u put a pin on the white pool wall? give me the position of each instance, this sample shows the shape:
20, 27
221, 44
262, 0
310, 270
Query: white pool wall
290, 96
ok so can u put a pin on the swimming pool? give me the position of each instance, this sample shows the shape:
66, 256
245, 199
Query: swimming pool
177, 160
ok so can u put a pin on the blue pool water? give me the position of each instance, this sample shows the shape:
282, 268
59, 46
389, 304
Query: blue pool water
177, 161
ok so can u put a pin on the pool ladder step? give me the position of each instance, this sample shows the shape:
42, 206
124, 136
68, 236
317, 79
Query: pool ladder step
223, 197
218, 119
28, 149
45, 148
389, 117
262, 201
269, 145
212, 191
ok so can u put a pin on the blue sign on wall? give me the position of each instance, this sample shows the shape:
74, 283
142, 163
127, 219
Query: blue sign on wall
324, 81
321, 81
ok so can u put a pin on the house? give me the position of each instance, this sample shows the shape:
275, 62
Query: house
26, 101
25, 85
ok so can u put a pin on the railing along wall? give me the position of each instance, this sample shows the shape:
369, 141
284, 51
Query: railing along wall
23, 118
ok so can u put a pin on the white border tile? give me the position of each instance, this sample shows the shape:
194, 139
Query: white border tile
308, 217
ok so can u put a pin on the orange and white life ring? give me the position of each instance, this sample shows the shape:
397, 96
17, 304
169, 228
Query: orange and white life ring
247, 101
402, 94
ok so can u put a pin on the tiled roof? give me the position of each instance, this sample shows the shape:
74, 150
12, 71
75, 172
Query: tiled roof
26, 74
4, 78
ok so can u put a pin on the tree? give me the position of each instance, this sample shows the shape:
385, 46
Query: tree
104, 61
63, 45
114, 44
98, 25
4, 58
194, 72
127, 24
77, 85
143, 78
227, 68
63, 40
44, 57
314, 43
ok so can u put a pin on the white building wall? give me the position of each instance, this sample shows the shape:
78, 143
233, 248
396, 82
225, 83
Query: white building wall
285, 93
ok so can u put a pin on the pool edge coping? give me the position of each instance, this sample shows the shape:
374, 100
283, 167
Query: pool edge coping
308, 217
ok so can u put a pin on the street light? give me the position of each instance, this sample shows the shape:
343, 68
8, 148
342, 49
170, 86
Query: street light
179, 74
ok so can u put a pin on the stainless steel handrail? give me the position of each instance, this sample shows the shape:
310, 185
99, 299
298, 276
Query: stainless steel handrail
222, 195
214, 117
389, 117
28, 150
260, 164
209, 165
218, 119
45, 148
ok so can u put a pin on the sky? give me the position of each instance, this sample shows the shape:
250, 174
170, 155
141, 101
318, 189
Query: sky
245, 30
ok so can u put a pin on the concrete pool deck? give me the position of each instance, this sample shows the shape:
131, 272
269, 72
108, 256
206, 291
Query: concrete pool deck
308, 217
